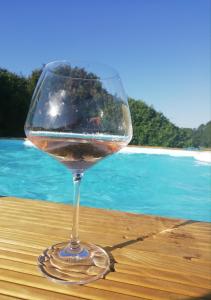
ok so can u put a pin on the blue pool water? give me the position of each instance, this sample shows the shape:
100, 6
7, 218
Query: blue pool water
141, 183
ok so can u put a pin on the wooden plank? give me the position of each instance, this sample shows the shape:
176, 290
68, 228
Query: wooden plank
25, 258
161, 262
18, 266
4, 297
136, 258
76, 291
129, 221
139, 286
121, 270
174, 276
17, 248
138, 290
18, 291
64, 210
158, 283
184, 248
155, 258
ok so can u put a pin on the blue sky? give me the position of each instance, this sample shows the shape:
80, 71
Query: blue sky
161, 48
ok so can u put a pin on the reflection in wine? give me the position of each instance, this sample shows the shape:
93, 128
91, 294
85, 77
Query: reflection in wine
77, 153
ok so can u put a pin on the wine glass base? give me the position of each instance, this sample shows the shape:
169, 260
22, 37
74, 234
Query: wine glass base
59, 265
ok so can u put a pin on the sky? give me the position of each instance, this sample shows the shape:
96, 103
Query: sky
161, 48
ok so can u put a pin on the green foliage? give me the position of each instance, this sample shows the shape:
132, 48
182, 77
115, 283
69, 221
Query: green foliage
32, 80
15, 95
149, 126
202, 135
14, 99
153, 128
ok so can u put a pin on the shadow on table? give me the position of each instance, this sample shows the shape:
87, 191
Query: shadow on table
121, 245
205, 297
109, 249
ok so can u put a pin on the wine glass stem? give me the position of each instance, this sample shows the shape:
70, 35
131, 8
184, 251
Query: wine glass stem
75, 242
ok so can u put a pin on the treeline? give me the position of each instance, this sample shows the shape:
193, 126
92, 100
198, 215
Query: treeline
154, 129
15, 94
150, 127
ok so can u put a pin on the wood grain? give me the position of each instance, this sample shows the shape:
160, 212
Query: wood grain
155, 258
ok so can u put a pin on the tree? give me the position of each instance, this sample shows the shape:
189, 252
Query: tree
202, 135
154, 129
32, 80
150, 127
14, 99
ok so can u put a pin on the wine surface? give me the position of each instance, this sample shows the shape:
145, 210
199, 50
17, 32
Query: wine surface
77, 151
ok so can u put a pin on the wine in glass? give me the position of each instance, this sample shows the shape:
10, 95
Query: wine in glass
79, 115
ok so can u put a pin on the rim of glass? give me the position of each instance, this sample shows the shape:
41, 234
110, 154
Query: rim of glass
83, 63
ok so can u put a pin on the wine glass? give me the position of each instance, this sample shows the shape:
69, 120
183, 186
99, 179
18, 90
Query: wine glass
79, 115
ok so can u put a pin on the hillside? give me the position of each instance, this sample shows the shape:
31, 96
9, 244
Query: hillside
202, 135
154, 129
149, 126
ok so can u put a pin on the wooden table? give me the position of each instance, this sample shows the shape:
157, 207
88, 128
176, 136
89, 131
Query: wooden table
154, 257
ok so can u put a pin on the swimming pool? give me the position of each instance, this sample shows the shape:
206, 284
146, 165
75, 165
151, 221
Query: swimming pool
135, 182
